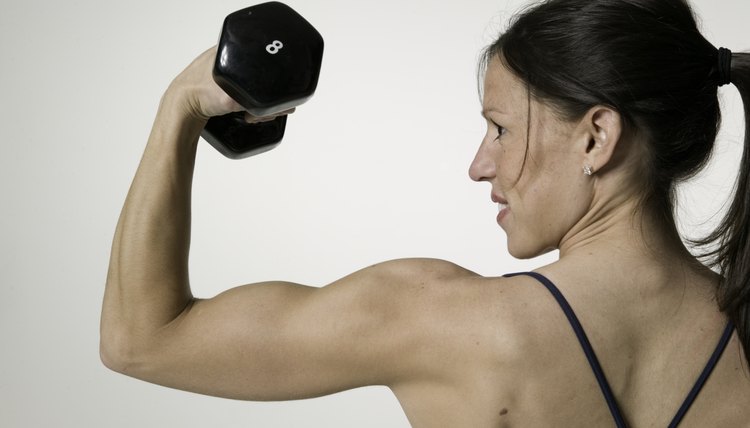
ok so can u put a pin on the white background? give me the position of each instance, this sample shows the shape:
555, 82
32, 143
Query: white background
374, 167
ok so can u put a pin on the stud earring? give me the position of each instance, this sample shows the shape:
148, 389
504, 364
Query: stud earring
587, 170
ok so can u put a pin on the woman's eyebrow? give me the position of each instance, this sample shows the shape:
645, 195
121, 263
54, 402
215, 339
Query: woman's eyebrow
487, 110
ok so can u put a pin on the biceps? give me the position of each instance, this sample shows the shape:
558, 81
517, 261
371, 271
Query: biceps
277, 341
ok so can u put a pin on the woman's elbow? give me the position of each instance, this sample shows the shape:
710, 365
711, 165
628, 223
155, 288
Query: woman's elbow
119, 354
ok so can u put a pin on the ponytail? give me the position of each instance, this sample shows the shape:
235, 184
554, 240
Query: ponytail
731, 239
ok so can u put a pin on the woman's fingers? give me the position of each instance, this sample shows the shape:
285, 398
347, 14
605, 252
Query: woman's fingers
249, 118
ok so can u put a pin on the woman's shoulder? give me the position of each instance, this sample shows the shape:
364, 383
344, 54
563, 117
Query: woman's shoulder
508, 316
443, 293
507, 294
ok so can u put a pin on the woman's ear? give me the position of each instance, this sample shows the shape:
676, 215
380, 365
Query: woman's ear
602, 127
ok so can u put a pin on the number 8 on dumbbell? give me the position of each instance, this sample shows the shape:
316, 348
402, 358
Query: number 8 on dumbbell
274, 47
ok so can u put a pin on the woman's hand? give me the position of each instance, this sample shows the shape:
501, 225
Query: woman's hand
200, 96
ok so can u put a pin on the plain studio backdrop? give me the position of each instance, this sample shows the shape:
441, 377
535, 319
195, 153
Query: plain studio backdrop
373, 167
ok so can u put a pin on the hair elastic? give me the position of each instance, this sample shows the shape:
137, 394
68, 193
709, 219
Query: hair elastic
725, 66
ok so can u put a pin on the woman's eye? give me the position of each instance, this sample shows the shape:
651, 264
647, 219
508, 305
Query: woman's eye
500, 130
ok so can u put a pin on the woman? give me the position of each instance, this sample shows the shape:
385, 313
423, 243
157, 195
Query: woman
595, 110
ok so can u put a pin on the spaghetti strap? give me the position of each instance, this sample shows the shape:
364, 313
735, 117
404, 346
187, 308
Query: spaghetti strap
585, 344
597, 369
704, 375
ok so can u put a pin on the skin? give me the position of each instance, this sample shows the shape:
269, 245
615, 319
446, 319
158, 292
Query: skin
456, 348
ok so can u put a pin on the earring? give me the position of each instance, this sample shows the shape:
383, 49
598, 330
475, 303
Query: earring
587, 170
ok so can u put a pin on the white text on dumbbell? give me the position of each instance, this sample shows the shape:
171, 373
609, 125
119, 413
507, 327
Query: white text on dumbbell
274, 47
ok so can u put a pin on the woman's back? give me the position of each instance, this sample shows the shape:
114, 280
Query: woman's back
518, 362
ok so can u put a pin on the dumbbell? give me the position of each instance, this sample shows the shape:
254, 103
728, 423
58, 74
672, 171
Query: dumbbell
268, 60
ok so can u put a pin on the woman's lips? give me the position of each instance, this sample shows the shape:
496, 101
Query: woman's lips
502, 211
498, 199
502, 207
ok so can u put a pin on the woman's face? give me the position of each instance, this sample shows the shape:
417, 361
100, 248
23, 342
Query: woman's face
540, 198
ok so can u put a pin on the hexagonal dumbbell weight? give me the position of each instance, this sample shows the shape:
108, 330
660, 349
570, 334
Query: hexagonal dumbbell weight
268, 60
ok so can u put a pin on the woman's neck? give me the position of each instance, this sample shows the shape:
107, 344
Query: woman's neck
628, 233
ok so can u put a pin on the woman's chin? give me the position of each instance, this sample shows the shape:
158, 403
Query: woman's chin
526, 250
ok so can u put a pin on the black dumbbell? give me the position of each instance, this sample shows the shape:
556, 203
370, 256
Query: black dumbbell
268, 60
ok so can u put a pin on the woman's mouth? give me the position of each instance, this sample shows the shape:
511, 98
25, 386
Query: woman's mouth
502, 211
502, 207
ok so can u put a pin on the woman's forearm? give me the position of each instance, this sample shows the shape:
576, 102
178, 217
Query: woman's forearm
148, 284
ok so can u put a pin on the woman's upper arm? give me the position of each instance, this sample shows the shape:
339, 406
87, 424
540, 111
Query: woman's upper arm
278, 341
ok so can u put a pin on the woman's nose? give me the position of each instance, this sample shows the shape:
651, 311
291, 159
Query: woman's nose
483, 166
